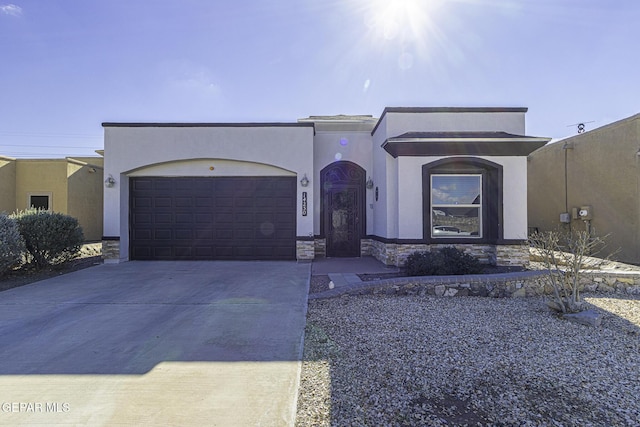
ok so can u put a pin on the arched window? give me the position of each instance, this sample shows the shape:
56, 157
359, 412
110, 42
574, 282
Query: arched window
462, 200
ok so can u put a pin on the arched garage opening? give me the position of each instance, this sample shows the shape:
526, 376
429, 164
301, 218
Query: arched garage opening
211, 217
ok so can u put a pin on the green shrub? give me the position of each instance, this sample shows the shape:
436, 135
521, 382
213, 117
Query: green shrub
11, 244
50, 238
424, 264
444, 262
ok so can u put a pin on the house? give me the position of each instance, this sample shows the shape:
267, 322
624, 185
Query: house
324, 186
591, 181
71, 186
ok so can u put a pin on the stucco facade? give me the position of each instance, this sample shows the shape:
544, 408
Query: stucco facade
203, 150
597, 169
362, 184
72, 186
7, 184
399, 224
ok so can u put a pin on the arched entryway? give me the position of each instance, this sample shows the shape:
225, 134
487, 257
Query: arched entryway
343, 208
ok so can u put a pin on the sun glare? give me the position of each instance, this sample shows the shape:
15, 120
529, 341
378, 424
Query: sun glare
406, 24
404, 19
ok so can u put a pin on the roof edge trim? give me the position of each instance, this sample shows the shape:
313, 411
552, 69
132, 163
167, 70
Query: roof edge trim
201, 125
448, 110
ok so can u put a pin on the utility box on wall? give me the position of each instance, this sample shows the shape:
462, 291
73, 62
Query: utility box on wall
584, 213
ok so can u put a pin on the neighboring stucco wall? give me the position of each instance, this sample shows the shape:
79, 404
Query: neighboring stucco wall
85, 188
73, 189
129, 149
42, 177
7, 185
602, 172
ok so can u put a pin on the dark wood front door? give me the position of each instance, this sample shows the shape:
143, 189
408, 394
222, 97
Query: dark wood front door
343, 213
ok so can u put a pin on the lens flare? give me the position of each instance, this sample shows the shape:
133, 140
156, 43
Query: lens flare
267, 228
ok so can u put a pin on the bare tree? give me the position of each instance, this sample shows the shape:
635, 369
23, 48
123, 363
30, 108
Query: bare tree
565, 255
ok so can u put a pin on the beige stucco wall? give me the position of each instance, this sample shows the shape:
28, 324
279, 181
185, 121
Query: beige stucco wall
7, 185
42, 176
603, 171
84, 192
74, 186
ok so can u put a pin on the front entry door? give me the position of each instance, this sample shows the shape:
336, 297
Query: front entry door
343, 208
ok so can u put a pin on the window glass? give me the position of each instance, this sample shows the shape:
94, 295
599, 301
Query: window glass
456, 206
39, 202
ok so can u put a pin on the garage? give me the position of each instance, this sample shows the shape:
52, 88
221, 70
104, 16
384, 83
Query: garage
212, 218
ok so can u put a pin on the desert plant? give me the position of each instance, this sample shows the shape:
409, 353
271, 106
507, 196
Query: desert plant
446, 261
50, 238
11, 244
564, 255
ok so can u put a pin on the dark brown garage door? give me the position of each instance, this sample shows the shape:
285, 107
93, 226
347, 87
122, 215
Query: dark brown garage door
222, 218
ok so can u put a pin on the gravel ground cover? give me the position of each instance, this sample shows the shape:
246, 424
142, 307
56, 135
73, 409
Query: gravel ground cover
429, 361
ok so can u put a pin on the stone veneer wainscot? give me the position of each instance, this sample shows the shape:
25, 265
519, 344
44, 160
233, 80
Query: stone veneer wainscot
397, 253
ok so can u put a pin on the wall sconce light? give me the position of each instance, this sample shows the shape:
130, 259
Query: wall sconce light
92, 170
304, 181
369, 183
109, 182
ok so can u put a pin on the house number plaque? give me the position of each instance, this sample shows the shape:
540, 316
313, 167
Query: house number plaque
304, 203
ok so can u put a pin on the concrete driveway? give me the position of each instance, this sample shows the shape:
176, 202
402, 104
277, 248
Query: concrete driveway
155, 343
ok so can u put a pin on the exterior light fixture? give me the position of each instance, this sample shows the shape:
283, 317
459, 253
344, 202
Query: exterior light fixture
369, 183
109, 182
304, 181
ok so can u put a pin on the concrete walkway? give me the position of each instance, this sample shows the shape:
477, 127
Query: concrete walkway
155, 343
363, 265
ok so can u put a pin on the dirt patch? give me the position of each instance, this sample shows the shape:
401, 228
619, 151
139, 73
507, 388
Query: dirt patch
89, 256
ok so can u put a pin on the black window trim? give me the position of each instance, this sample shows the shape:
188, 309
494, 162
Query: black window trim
492, 190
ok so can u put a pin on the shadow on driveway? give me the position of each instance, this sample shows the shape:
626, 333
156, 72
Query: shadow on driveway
150, 343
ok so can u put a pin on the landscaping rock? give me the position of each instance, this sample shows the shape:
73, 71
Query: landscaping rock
587, 317
605, 288
450, 292
522, 292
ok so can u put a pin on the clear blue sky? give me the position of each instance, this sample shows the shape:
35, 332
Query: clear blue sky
66, 66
